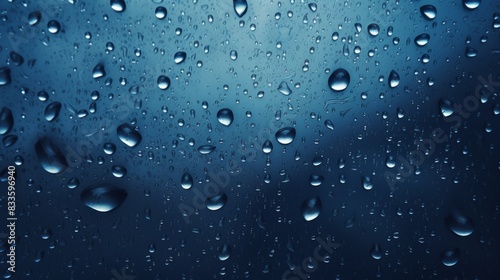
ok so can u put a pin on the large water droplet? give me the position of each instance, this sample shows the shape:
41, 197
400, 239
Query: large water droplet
390, 162
5, 77
376, 251
54, 26
179, 57
373, 29
450, 257
316, 180
339, 80
311, 209
267, 147
240, 7
284, 88
161, 12
206, 149
367, 183
459, 224
285, 135
471, 4
422, 39
393, 79
313, 7
128, 135
6, 120
215, 203
52, 111
16, 58
470, 52
50, 157
163, 82
103, 197
118, 5
34, 18
428, 12
225, 116
445, 107
186, 181
118, 171
98, 71
225, 252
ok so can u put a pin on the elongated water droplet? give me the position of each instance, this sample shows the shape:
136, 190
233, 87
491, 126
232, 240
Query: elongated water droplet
376, 251
103, 197
179, 57
367, 183
6, 120
5, 77
459, 224
422, 39
225, 252
215, 203
445, 107
428, 12
52, 111
34, 18
267, 147
225, 116
50, 157
98, 71
240, 7
285, 135
163, 82
339, 80
186, 181
206, 149
128, 135
284, 88
118, 5
311, 209
9, 140
393, 79
329, 125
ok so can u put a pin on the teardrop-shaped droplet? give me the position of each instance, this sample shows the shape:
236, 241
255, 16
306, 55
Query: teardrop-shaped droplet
445, 107
422, 39
284, 88
9, 140
390, 162
16, 58
54, 26
52, 111
98, 71
459, 224
428, 12
367, 183
450, 256
225, 116
311, 209
128, 135
161, 12
186, 181
393, 79
313, 7
470, 52
316, 180
225, 252
285, 135
118, 5
471, 4
373, 29
6, 120
206, 149
179, 57
376, 251
103, 197
50, 156
267, 147
329, 125
215, 203
240, 7
5, 77
339, 80
34, 18
118, 171
163, 82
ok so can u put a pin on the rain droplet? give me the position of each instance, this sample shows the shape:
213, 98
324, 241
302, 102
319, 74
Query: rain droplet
118, 5
186, 181
450, 256
206, 149
163, 82
284, 88
313, 7
311, 209
161, 12
50, 157
73, 183
109, 148
470, 52
428, 12
6, 120
52, 111
459, 224
225, 116
422, 39
98, 71
445, 107
5, 77
34, 18
54, 26
393, 79
367, 183
9, 140
118, 171
376, 251
233, 55
390, 162
471, 4
240, 7
267, 147
103, 197
339, 80
373, 29
179, 57
329, 125
225, 252
128, 135
316, 180
16, 58
216, 202
285, 135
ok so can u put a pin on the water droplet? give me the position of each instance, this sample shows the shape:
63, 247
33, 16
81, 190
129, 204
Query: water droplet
459, 224
233, 55
284, 88
390, 162
9, 140
109, 148
46, 233
186, 181
285, 135
179, 57
225, 116
5, 77
267, 147
103, 197
428, 12
450, 256
313, 7
52, 111
16, 58
206, 149
225, 252
163, 82
34, 18
373, 29
393, 79
376, 251
128, 135
422, 39
329, 124
50, 157
73, 183
339, 80
216, 202
118, 5
316, 180
471, 4
118, 171
311, 209
470, 52
445, 107
6, 120
367, 183
98, 71
161, 12
54, 26
240, 7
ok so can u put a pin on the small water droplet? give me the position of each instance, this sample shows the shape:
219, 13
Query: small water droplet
450, 256
367, 183
373, 29
422, 39
118, 171
376, 251
73, 183
267, 147
109, 148
50, 157
5, 77
161, 12
445, 107
216, 202
34, 18
6, 120
9, 140
54, 26
206, 149
98, 71
16, 58
393, 79
52, 111
284, 88
103, 197
316, 180
285, 135
339, 80
470, 52
118, 5
163, 82
313, 7
225, 116
390, 162
128, 135
240, 7
179, 57
428, 12
311, 209
186, 181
